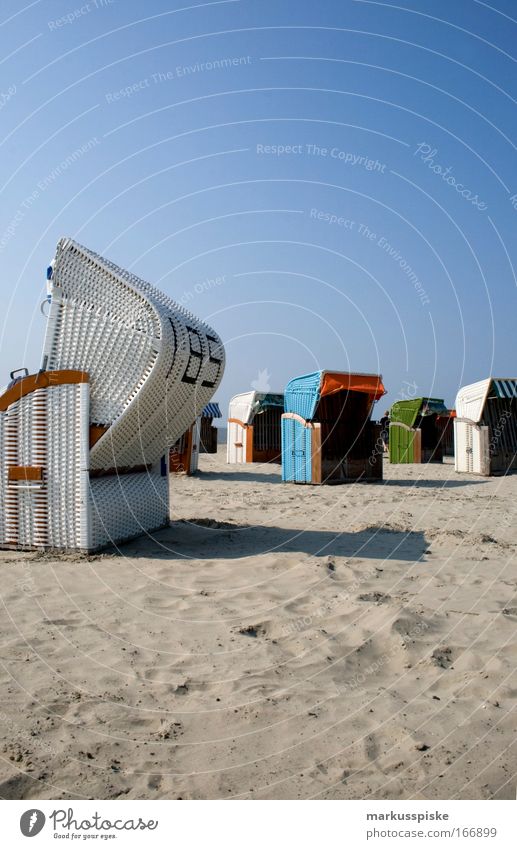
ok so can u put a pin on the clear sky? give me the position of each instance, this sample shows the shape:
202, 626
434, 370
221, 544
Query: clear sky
329, 184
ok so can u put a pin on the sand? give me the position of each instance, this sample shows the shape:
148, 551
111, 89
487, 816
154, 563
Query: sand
276, 641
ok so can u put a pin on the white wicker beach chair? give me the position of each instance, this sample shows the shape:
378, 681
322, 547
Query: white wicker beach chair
125, 372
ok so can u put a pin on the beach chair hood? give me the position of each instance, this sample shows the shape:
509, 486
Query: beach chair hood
407, 411
246, 405
471, 399
152, 365
303, 394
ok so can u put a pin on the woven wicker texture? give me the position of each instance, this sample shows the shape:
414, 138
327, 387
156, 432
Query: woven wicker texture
126, 506
153, 366
47, 513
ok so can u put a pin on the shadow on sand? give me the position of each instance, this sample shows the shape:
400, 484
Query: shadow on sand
249, 477
259, 477
426, 483
207, 539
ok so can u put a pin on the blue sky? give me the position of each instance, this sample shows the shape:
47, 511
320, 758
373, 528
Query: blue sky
328, 184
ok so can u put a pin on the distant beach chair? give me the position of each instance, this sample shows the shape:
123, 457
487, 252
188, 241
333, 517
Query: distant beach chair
199, 438
207, 429
415, 436
254, 428
485, 428
82, 443
327, 432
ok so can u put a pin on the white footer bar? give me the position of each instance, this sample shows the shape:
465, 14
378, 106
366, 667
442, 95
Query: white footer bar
260, 824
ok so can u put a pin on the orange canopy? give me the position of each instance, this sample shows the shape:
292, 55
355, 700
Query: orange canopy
334, 381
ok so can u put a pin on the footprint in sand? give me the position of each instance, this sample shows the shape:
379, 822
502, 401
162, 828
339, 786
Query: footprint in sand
253, 631
374, 597
371, 748
442, 657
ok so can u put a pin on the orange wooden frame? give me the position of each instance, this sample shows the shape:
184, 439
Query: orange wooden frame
39, 381
25, 473
248, 445
96, 431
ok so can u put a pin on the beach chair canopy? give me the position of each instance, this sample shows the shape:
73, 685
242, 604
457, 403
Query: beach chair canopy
211, 411
247, 405
152, 365
471, 399
407, 412
303, 394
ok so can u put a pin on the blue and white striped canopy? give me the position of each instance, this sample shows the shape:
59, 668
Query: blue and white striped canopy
212, 410
505, 388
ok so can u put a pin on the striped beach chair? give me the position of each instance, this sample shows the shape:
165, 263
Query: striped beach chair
485, 427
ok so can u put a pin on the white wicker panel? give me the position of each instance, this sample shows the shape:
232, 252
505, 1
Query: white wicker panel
25, 502
66, 458
10, 458
84, 531
50, 428
126, 506
153, 366
3, 477
43, 429
32, 451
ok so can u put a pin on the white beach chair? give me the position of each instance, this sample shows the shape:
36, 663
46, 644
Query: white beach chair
125, 371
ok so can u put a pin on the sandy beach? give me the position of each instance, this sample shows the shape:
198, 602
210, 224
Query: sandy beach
276, 641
